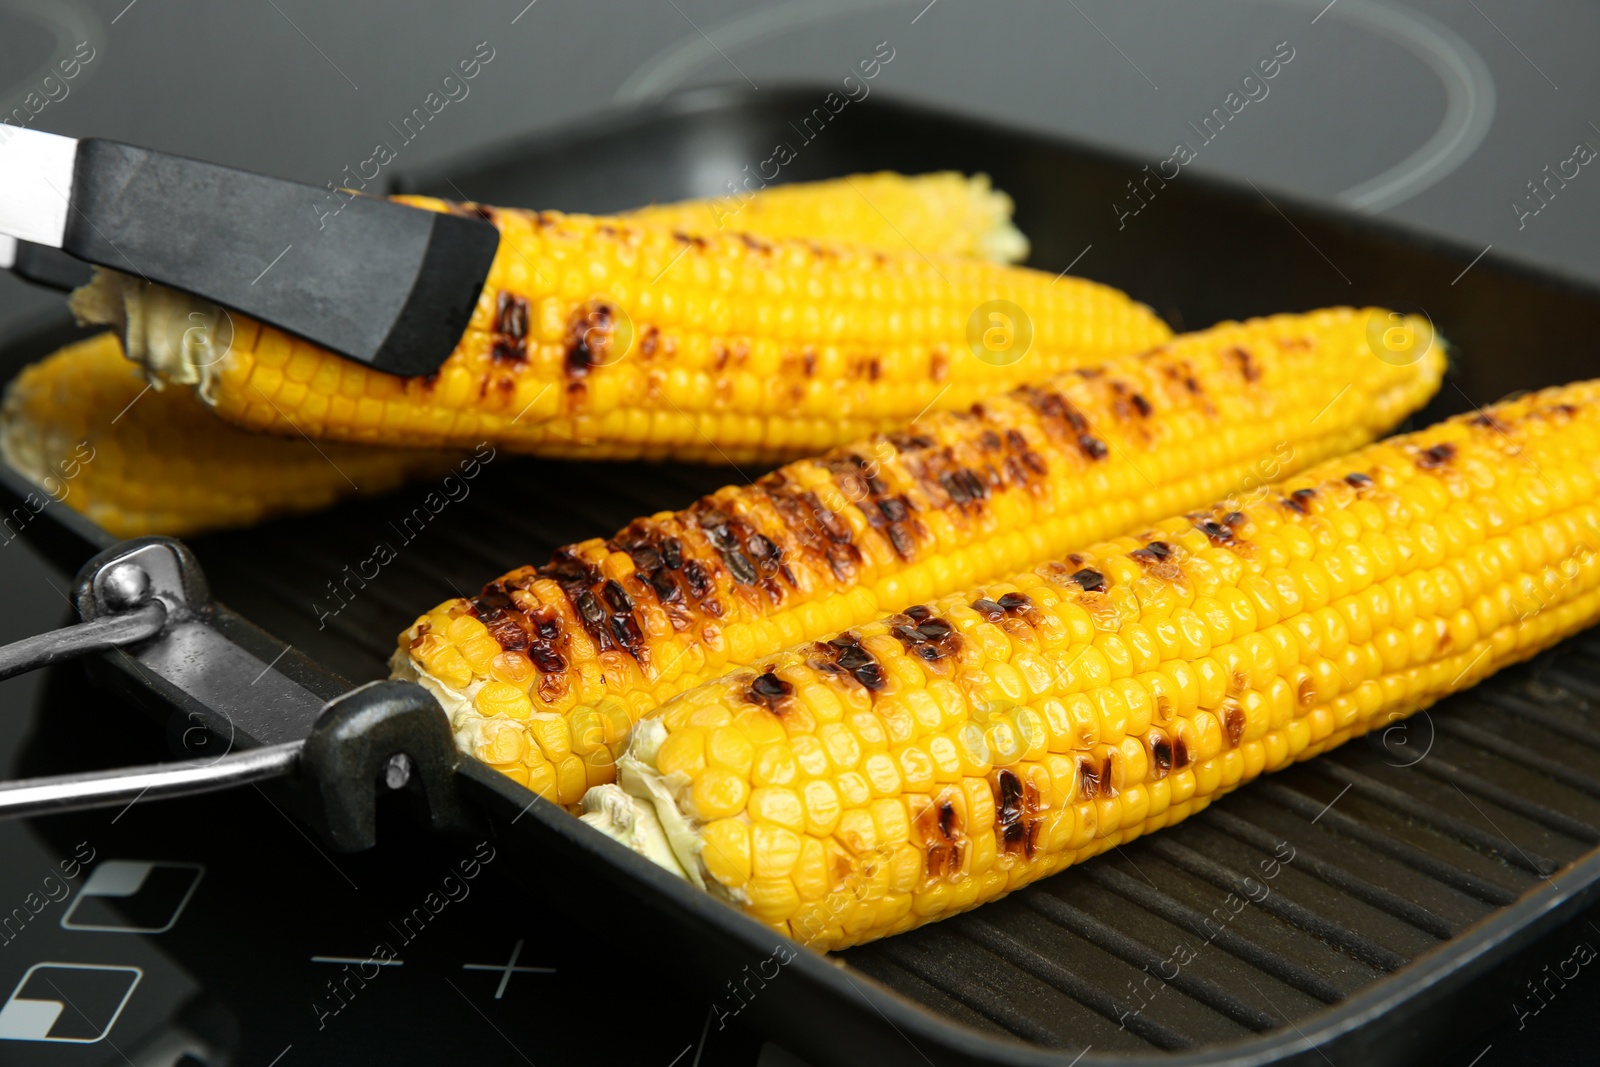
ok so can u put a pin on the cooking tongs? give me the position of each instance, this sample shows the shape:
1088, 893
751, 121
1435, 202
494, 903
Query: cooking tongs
382, 283
145, 606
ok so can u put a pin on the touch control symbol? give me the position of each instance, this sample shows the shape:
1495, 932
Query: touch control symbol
133, 897
73, 1003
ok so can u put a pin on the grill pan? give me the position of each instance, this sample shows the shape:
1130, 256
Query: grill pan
1360, 905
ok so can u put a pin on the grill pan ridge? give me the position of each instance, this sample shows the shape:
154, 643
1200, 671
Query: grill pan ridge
1359, 904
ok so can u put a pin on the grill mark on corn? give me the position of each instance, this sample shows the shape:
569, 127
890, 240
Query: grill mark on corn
1306, 692
1159, 746
1436, 457
535, 633
1090, 580
511, 329
1157, 559
591, 330
1095, 779
1062, 419
937, 824
1016, 811
1233, 722
602, 606
769, 691
1247, 368
755, 244
844, 657
928, 638
1218, 533
1127, 403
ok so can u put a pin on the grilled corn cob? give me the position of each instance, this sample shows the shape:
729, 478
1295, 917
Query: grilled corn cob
605, 338
178, 470
84, 426
543, 674
937, 214
932, 761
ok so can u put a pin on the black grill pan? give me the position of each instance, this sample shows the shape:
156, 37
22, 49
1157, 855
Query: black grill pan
1426, 862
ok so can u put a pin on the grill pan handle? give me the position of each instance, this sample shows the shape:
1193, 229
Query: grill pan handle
146, 605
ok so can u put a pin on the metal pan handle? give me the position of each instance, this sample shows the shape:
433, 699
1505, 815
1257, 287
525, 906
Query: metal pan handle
147, 601
135, 614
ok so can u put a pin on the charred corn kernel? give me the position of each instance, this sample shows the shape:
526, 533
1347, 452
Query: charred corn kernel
822, 545
940, 214
81, 425
719, 346
1008, 820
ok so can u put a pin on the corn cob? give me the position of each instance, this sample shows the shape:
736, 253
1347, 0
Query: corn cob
932, 761
543, 674
605, 338
937, 214
81, 425
182, 471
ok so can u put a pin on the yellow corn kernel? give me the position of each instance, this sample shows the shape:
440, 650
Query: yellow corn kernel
727, 852
772, 898
775, 850
571, 780
719, 793
503, 698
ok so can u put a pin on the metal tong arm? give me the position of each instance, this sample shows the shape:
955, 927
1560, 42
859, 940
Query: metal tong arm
124, 785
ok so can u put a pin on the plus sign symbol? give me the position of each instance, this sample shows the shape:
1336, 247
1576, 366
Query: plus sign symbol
507, 969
